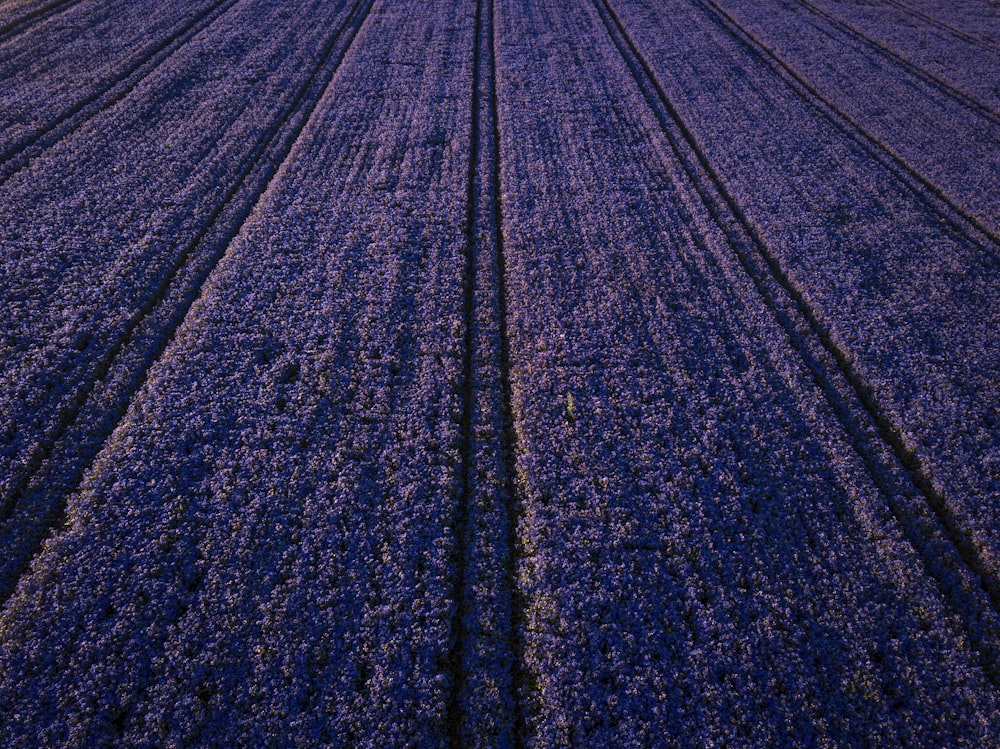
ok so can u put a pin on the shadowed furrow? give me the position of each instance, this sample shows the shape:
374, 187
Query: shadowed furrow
486, 702
18, 16
54, 432
46, 96
704, 549
281, 495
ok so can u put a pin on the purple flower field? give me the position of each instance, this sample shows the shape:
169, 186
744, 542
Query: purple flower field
500, 373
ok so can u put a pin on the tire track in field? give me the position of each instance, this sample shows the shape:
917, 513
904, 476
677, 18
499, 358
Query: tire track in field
59, 463
509, 446
17, 156
487, 513
963, 580
463, 530
976, 231
944, 26
942, 86
33, 17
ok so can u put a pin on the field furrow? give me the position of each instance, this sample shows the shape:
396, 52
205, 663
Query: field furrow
83, 327
876, 94
955, 59
484, 709
901, 289
709, 555
51, 81
976, 18
18, 15
282, 494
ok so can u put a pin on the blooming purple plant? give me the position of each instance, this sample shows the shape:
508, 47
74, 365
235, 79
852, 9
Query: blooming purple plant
518, 373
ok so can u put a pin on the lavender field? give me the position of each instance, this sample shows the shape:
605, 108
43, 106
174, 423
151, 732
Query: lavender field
500, 373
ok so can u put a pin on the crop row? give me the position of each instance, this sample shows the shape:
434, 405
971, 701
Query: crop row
878, 93
65, 64
900, 285
265, 548
703, 550
109, 234
958, 59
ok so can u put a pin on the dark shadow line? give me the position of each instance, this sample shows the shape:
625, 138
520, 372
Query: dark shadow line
456, 717
951, 213
509, 444
283, 144
15, 157
33, 17
860, 391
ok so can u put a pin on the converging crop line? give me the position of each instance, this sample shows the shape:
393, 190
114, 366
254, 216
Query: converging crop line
456, 717
743, 238
40, 477
929, 78
509, 440
181, 261
108, 93
33, 17
944, 26
934, 198
487, 513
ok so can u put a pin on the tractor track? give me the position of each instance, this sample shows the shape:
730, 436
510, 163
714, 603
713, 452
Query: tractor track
59, 462
851, 398
34, 17
486, 375
17, 155
942, 86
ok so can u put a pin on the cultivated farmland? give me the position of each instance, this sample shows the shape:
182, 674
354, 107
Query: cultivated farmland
500, 373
